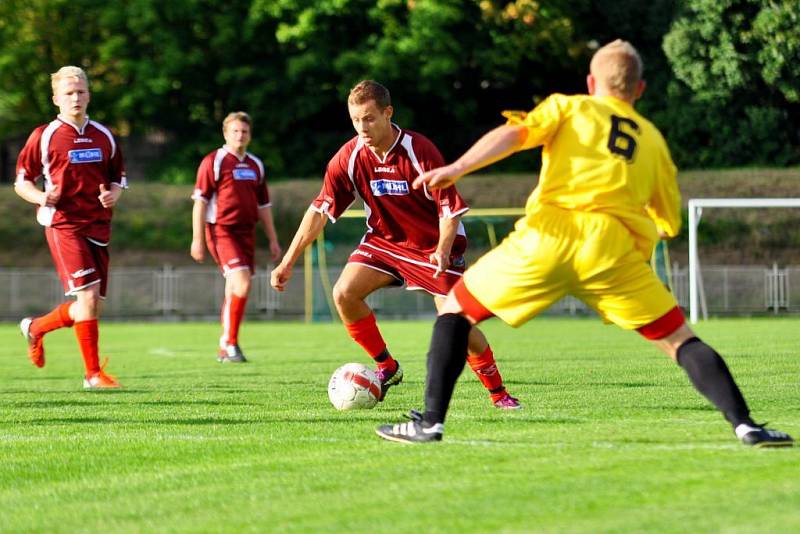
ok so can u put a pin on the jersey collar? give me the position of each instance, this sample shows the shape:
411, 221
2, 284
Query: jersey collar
234, 154
79, 129
400, 134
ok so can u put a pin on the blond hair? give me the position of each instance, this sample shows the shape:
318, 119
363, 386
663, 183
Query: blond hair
367, 90
236, 116
68, 71
617, 66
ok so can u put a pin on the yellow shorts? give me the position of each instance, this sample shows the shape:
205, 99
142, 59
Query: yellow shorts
557, 252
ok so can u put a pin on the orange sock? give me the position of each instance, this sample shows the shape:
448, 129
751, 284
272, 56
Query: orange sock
87, 334
485, 368
57, 318
232, 315
365, 332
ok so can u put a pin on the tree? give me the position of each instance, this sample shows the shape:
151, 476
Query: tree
740, 63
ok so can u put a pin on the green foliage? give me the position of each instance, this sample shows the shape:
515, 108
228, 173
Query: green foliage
740, 61
727, 94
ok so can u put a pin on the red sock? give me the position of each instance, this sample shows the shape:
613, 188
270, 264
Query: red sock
87, 334
365, 332
485, 368
232, 315
57, 318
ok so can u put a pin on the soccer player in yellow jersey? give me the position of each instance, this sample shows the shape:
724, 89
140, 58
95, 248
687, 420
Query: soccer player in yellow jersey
607, 190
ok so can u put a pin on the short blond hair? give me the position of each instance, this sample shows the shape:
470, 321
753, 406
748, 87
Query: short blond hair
618, 67
367, 90
68, 71
236, 116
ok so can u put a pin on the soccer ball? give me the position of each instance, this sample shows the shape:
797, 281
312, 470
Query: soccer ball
354, 386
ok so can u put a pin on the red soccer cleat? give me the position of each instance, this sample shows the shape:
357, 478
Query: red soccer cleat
35, 344
101, 380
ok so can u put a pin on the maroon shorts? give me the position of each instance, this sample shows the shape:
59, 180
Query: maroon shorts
411, 268
80, 261
232, 248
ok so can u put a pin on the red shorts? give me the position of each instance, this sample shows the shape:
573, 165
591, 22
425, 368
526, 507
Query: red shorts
411, 268
231, 247
80, 262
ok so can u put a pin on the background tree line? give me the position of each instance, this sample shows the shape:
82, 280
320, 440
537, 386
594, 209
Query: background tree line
723, 75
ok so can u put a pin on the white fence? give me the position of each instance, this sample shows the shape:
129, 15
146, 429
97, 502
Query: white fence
195, 292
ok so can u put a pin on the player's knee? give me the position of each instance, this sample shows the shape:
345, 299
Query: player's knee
88, 303
342, 294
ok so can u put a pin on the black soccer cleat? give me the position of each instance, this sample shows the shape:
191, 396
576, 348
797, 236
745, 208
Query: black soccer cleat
758, 436
389, 379
414, 431
231, 354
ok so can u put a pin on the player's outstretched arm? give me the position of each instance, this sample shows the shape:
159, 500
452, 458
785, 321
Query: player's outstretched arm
198, 247
310, 227
496, 145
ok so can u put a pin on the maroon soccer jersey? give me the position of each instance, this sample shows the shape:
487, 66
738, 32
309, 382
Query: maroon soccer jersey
78, 161
234, 188
395, 212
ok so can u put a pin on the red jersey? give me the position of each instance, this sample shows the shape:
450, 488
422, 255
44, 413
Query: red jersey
78, 160
395, 211
234, 189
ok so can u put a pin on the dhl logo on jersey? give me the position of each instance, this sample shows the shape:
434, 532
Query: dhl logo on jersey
388, 187
86, 155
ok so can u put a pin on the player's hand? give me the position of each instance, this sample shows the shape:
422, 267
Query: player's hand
107, 198
197, 251
440, 178
50, 198
280, 276
441, 260
275, 251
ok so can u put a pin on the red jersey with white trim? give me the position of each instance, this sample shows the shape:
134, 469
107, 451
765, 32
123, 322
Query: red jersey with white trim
78, 161
395, 211
234, 188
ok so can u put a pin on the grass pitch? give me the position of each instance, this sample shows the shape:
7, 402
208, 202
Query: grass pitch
612, 437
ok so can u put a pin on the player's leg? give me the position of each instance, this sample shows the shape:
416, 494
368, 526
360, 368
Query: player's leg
237, 289
34, 329
710, 376
62, 248
513, 282
480, 358
85, 312
357, 281
446, 358
234, 255
630, 295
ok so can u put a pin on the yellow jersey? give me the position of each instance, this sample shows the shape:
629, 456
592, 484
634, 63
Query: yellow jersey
600, 155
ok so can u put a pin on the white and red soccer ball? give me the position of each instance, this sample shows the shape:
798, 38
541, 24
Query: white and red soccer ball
354, 386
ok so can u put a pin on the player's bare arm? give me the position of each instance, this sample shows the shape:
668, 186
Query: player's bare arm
310, 227
267, 220
109, 198
494, 146
29, 192
198, 247
448, 228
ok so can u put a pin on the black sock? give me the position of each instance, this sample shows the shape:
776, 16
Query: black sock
711, 377
446, 359
380, 358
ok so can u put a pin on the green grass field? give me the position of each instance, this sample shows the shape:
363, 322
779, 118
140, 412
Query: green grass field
612, 437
